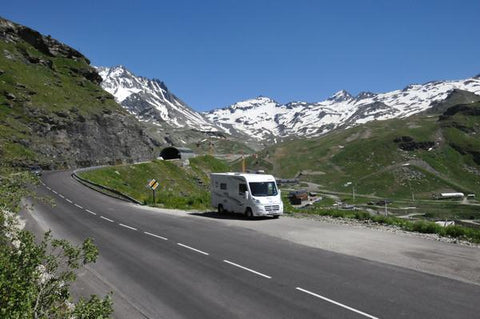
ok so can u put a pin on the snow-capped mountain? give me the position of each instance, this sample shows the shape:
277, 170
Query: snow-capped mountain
150, 100
263, 118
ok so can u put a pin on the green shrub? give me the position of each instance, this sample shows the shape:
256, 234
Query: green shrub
472, 235
422, 226
382, 219
35, 278
362, 215
455, 231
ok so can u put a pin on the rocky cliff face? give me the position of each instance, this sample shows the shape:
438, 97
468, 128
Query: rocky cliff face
53, 111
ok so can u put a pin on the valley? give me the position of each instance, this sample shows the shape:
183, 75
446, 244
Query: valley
379, 231
421, 142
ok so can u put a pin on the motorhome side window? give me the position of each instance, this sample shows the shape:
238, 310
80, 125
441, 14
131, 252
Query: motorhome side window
242, 188
223, 186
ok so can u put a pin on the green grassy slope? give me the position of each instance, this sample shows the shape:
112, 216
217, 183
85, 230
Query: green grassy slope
180, 187
50, 99
220, 146
423, 154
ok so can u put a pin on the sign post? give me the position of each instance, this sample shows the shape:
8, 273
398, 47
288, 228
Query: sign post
153, 185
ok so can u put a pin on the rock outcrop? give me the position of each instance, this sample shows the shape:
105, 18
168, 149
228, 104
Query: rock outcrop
54, 111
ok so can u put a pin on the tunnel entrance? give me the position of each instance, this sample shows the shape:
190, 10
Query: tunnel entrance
172, 152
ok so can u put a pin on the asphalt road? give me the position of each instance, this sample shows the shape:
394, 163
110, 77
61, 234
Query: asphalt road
164, 266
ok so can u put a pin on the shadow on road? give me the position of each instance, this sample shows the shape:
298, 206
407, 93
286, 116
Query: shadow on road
230, 216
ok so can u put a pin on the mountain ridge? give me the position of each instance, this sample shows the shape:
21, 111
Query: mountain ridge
150, 100
265, 120
341, 110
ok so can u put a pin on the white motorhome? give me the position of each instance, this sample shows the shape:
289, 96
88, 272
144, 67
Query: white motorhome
249, 194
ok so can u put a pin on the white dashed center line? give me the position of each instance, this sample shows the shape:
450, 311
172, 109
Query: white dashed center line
126, 226
336, 303
247, 269
107, 219
153, 235
225, 261
89, 211
194, 249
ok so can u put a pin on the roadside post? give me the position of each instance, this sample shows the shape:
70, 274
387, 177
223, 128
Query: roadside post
153, 185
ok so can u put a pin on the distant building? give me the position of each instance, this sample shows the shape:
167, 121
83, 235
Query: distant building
172, 152
449, 195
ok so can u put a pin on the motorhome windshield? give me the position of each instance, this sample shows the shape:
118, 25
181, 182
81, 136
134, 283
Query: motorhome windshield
263, 189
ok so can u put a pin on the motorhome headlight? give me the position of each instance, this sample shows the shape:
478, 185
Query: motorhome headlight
256, 201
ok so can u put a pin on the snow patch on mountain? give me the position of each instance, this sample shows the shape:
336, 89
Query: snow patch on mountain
150, 100
263, 118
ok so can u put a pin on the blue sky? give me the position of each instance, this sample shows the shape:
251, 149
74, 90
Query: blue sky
214, 53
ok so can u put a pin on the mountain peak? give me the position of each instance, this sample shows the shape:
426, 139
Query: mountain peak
252, 103
341, 96
150, 100
364, 95
119, 70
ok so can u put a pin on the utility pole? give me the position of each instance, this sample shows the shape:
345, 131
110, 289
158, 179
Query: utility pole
211, 148
243, 163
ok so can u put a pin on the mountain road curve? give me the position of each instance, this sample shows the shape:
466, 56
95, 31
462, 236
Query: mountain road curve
164, 265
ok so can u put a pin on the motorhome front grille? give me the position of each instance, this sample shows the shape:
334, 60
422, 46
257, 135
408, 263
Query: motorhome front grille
272, 208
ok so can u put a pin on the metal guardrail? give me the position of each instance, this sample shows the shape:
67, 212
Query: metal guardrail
95, 186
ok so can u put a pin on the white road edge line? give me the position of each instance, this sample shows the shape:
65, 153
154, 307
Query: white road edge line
191, 248
126, 226
68, 200
61, 195
107, 219
49, 188
76, 205
247, 269
336, 303
54, 191
153, 235
89, 211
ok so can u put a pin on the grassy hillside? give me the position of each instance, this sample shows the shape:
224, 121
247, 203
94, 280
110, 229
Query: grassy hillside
220, 146
423, 154
52, 109
180, 187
